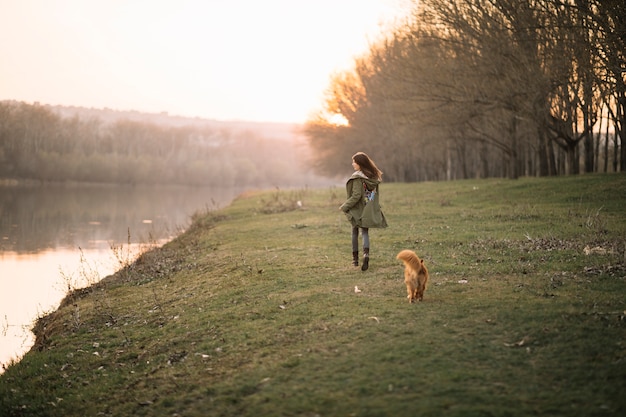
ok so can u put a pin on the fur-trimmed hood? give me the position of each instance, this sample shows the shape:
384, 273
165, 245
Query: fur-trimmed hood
370, 183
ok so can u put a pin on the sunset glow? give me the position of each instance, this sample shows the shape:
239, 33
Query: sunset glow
240, 59
338, 120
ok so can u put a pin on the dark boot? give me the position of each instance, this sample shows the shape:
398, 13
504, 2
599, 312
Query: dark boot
366, 259
355, 258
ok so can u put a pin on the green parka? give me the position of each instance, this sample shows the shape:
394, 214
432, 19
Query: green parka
359, 210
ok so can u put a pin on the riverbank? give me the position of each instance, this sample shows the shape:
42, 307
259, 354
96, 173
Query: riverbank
253, 311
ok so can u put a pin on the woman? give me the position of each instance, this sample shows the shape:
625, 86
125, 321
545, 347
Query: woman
362, 207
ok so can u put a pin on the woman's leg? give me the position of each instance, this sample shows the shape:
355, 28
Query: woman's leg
355, 246
355, 239
366, 239
366, 248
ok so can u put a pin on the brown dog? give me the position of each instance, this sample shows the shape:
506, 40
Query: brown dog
415, 275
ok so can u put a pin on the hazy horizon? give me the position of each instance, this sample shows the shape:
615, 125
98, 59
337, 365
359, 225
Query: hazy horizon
237, 60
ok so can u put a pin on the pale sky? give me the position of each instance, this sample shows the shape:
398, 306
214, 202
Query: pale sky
257, 60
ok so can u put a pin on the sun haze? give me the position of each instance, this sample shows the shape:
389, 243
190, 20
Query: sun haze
220, 59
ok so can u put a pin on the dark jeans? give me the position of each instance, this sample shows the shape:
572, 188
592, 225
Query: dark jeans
355, 238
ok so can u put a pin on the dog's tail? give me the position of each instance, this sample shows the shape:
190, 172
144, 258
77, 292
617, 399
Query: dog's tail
411, 259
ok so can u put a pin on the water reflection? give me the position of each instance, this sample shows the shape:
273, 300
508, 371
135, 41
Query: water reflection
34, 219
34, 284
55, 237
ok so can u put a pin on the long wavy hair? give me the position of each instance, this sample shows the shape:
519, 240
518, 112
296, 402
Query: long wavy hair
368, 167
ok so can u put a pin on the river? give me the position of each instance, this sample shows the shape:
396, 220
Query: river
55, 237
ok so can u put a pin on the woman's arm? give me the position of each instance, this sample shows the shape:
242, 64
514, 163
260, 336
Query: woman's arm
355, 196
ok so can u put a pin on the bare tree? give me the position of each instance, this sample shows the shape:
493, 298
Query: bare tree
484, 88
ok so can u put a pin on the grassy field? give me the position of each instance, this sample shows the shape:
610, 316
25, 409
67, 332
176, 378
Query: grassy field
253, 311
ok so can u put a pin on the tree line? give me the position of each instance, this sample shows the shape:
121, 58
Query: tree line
484, 88
37, 143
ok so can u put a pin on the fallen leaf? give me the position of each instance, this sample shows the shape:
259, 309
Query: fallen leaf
516, 344
594, 251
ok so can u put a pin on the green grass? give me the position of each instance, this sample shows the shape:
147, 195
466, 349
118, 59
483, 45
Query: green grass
253, 311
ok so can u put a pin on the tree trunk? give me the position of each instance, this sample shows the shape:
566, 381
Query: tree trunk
573, 165
620, 128
589, 152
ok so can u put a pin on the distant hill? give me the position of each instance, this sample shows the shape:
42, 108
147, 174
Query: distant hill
49, 143
274, 130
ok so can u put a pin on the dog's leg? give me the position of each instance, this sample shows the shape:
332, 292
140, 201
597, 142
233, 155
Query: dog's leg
420, 292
